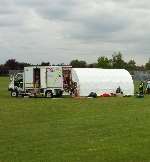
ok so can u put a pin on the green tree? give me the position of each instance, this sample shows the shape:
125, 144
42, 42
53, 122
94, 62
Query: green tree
78, 64
45, 63
131, 65
147, 65
104, 62
117, 61
11, 64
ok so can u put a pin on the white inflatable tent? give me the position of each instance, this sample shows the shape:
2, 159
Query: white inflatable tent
102, 81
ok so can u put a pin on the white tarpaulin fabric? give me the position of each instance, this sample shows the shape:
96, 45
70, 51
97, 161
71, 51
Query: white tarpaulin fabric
102, 81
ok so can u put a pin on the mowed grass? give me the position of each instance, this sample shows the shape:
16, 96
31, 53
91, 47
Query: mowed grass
73, 130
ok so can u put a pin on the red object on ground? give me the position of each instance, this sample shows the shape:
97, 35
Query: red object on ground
105, 95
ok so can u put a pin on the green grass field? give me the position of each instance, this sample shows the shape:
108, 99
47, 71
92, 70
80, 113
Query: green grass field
73, 130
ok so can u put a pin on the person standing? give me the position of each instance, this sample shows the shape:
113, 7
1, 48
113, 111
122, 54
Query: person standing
141, 88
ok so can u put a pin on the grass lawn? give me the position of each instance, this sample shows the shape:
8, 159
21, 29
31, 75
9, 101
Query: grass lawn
73, 130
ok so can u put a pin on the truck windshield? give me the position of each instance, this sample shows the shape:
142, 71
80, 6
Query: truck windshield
18, 80
19, 77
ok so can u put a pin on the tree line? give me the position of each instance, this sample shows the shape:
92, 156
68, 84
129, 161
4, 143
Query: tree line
12, 64
116, 62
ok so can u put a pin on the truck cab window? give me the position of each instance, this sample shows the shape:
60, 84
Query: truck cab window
18, 80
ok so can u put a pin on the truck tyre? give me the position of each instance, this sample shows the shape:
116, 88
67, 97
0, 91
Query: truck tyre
49, 94
14, 94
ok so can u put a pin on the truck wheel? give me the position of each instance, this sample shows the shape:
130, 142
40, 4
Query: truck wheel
14, 94
49, 94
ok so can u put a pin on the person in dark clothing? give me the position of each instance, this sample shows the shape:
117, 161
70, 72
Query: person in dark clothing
118, 90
